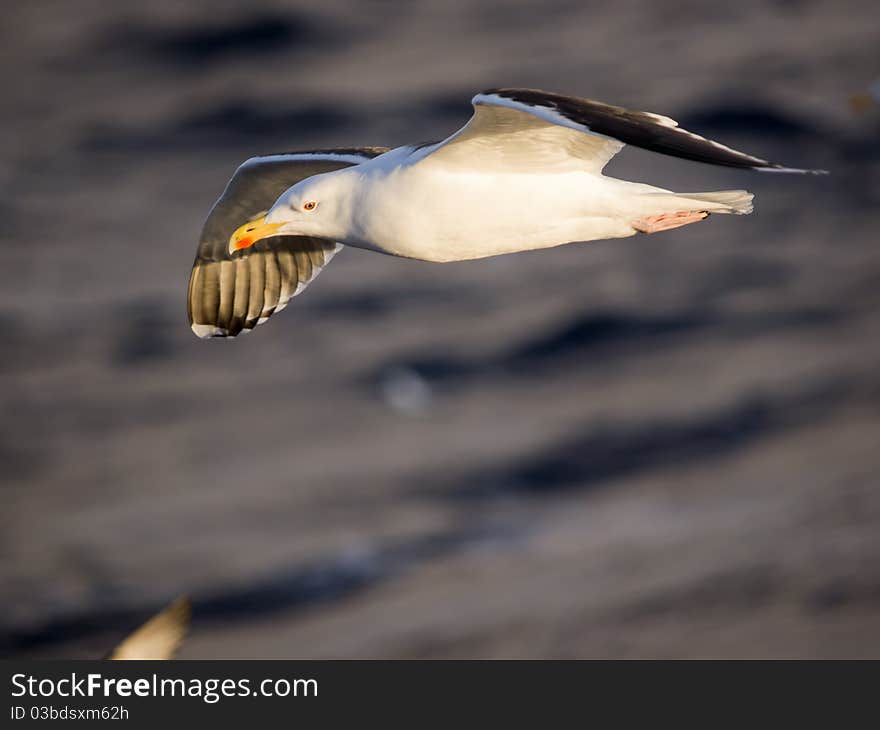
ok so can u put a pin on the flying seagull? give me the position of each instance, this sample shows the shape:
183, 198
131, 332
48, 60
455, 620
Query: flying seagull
159, 637
524, 173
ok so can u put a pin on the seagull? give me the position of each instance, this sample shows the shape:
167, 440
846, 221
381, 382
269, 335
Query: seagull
159, 637
524, 173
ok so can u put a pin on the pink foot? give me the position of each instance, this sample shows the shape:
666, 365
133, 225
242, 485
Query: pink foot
666, 221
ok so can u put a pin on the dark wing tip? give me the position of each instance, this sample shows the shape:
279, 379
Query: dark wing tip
789, 170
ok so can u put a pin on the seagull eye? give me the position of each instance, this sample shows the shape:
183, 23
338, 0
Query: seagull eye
311, 205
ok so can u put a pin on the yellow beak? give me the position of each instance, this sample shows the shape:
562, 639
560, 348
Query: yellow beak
248, 234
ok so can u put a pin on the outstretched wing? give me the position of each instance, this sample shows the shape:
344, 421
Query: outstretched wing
232, 293
526, 128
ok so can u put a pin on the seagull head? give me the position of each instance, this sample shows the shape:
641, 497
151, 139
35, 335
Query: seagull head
312, 207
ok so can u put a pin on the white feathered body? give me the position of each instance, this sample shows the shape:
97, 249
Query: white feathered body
436, 212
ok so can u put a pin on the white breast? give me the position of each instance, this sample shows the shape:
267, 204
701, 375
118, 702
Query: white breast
438, 214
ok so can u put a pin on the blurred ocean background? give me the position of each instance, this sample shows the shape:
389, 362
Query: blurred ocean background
662, 446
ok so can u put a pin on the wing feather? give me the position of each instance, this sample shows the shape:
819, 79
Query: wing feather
240, 297
227, 291
256, 275
304, 266
272, 290
287, 269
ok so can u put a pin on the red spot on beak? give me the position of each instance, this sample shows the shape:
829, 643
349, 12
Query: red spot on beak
248, 234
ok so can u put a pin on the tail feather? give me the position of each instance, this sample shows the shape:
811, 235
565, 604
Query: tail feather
737, 202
